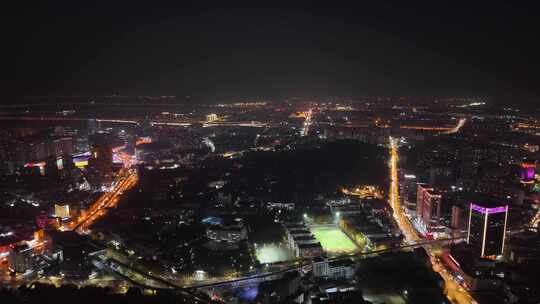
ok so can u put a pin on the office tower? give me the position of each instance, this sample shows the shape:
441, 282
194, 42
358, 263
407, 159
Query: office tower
51, 167
527, 172
101, 159
428, 206
408, 190
93, 126
66, 163
487, 228
61, 146
456, 217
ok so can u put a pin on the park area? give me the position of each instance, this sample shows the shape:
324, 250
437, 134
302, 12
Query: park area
333, 240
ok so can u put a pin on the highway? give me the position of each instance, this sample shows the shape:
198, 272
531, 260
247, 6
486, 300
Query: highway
454, 291
458, 127
307, 123
127, 179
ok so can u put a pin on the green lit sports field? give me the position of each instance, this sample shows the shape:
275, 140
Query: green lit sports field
333, 240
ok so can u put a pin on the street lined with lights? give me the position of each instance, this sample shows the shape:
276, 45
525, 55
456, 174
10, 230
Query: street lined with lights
454, 291
307, 123
127, 179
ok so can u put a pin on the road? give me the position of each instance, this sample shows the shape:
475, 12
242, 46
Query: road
454, 292
404, 224
127, 179
458, 127
307, 123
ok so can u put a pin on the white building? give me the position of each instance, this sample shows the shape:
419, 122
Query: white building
335, 270
231, 233
61, 211
211, 117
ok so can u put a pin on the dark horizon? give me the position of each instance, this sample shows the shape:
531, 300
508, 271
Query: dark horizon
301, 49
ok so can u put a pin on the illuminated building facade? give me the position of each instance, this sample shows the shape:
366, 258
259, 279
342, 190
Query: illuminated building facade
46, 222
301, 241
232, 232
101, 159
527, 172
335, 270
487, 229
61, 211
211, 117
407, 191
428, 207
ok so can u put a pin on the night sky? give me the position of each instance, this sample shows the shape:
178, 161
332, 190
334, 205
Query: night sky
228, 50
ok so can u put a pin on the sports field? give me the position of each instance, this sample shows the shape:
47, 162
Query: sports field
333, 240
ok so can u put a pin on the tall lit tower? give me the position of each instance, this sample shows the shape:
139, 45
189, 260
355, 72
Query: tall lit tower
428, 206
101, 159
487, 229
527, 172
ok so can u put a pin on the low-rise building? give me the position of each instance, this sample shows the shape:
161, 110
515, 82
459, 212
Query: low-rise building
301, 241
335, 270
292, 234
232, 233
308, 250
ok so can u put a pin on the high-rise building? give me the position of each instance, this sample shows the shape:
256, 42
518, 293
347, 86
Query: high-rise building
37, 150
428, 206
487, 228
101, 159
51, 167
61, 146
66, 163
527, 172
93, 126
456, 217
408, 191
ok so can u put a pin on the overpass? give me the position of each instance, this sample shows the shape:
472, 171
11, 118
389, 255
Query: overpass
295, 265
